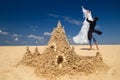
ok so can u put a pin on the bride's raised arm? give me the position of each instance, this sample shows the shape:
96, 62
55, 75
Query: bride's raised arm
87, 13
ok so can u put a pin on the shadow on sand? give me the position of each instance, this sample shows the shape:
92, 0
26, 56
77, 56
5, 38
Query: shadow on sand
86, 49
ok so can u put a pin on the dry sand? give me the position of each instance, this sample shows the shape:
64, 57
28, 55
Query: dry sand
10, 55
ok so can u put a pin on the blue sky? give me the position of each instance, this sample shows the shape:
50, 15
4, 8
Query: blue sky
30, 22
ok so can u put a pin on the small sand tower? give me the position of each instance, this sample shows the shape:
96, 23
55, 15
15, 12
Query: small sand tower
36, 52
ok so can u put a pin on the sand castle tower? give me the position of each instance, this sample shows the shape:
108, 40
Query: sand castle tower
28, 53
58, 45
58, 39
58, 35
36, 52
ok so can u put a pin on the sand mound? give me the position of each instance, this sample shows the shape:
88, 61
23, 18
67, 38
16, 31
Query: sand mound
59, 58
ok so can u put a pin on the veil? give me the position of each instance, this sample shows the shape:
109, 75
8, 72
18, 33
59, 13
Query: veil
81, 37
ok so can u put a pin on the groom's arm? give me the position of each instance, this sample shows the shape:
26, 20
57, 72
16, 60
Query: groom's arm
88, 20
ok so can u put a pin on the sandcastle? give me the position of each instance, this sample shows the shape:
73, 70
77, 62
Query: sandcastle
59, 58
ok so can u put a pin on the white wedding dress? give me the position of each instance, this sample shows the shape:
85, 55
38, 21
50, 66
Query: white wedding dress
81, 37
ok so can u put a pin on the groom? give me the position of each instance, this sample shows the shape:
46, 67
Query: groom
91, 31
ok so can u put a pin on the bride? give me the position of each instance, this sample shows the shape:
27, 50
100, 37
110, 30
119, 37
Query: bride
81, 37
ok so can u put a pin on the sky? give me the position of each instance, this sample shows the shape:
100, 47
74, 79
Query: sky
30, 22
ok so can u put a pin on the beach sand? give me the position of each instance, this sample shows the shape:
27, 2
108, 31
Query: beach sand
11, 55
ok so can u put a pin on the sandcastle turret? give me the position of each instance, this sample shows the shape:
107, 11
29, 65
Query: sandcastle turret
59, 24
58, 39
36, 52
28, 54
28, 50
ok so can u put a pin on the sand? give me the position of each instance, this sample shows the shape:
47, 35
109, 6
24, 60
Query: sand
11, 55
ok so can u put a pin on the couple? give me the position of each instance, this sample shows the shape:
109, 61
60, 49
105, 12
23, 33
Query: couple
88, 28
